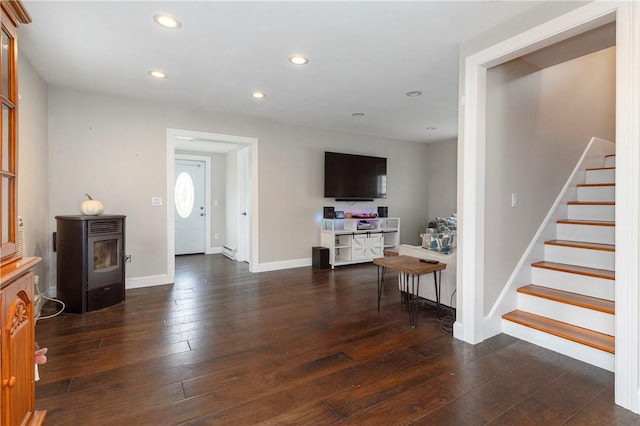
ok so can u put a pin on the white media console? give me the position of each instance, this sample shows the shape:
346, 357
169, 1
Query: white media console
359, 240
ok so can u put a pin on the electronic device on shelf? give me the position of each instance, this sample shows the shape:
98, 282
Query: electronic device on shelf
328, 212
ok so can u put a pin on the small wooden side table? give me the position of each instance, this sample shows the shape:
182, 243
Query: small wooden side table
410, 268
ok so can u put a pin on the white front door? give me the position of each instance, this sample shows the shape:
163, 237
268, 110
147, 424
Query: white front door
189, 206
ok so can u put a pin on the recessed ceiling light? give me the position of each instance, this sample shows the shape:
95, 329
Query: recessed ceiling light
258, 95
157, 74
413, 93
167, 21
358, 114
298, 60
432, 128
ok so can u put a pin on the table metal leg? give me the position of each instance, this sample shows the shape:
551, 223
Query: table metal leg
380, 283
416, 299
437, 282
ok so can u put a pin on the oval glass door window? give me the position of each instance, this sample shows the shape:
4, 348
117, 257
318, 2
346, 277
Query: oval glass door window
184, 194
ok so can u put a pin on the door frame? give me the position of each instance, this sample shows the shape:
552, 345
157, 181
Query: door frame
470, 326
185, 137
207, 198
243, 158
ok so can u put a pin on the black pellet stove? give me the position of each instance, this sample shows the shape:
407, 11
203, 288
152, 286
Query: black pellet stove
90, 261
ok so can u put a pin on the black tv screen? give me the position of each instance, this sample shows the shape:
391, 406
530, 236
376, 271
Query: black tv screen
354, 177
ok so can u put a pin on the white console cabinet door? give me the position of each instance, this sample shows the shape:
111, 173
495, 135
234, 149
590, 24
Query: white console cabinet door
359, 247
375, 246
367, 246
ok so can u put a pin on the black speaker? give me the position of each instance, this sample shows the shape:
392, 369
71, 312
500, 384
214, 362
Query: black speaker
320, 257
383, 211
329, 213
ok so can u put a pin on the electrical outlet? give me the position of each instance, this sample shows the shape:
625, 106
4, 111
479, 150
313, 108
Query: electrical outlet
514, 199
156, 201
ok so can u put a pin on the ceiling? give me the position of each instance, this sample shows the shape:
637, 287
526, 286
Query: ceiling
363, 57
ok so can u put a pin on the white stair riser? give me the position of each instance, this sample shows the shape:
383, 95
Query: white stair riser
566, 347
570, 314
599, 259
610, 161
596, 193
586, 233
591, 212
600, 176
574, 283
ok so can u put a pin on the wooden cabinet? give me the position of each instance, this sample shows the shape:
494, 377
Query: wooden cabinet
17, 328
17, 370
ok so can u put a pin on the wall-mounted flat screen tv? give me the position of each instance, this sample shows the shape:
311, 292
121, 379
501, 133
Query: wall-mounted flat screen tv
350, 177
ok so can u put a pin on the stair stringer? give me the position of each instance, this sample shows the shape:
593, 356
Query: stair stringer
507, 300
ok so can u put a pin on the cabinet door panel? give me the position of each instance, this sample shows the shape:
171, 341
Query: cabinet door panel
17, 355
375, 246
359, 247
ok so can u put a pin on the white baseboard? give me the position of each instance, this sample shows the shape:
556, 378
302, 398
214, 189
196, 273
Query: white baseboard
213, 250
148, 281
284, 264
458, 331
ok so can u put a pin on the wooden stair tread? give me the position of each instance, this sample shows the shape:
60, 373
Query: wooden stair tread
592, 203
587, 222
582, 245
573, 269
589, 185
575, 299
590, 338
601, 168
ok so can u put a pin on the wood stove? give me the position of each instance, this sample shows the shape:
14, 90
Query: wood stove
90, 261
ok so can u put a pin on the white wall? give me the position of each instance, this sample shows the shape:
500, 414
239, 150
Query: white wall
115, 149
538, 125
33, 164
442, 182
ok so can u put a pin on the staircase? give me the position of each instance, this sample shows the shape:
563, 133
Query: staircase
569, 306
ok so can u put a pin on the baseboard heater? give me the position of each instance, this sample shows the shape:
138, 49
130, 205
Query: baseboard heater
229, 252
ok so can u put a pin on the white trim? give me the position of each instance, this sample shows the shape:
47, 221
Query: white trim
252, 143
148, 281
471, 178
243, 205
207, 194
627, 206
214, 250
282, 264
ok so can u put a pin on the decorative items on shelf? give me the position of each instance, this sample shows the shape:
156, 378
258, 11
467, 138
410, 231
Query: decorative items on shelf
441, 234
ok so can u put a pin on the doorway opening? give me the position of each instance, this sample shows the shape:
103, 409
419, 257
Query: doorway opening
471, 325
198, 144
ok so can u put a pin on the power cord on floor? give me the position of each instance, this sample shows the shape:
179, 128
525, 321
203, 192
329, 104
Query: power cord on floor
447, 321
52, 300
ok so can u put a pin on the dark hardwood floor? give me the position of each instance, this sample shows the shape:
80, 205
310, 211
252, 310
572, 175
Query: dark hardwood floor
223, 346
